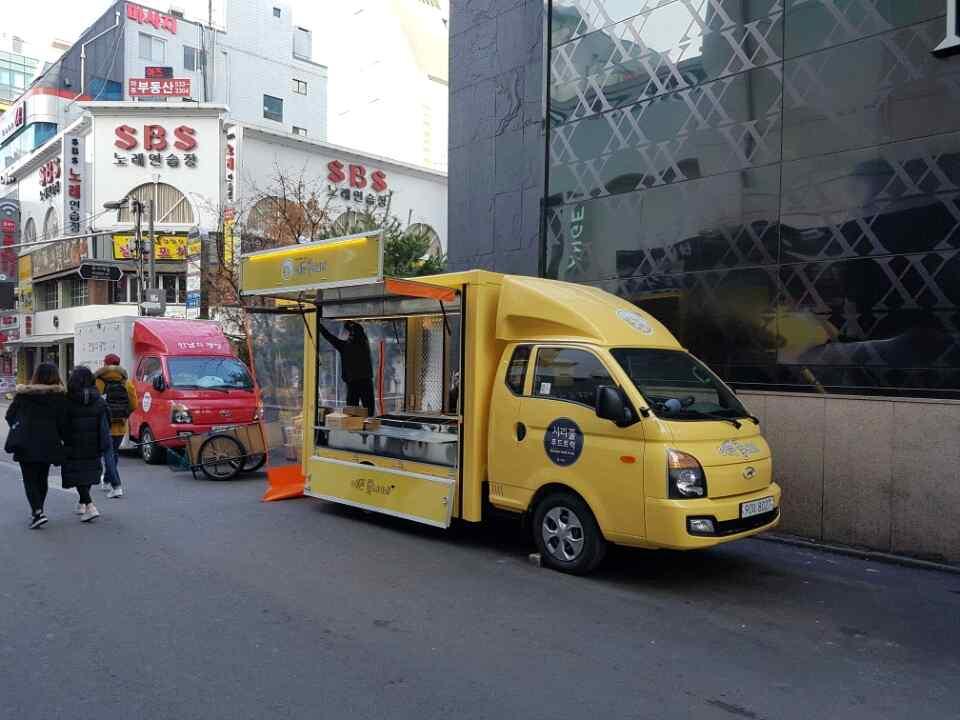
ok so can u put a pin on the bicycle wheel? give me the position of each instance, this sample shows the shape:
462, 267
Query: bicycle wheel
221, 457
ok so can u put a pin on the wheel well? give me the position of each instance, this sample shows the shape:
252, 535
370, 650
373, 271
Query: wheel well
553, 487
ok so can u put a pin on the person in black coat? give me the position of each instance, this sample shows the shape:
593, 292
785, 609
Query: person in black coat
38, 423
356, 368
86, 440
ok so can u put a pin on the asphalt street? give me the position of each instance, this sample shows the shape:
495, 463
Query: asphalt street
192, 599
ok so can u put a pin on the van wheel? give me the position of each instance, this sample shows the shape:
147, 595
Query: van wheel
150, 451
567, 534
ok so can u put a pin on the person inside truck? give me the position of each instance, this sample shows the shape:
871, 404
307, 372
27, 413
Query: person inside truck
356, 367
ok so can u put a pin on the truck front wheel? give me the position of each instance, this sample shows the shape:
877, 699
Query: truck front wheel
567, 534
151, 452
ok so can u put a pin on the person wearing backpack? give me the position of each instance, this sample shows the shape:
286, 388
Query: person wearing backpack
121, 397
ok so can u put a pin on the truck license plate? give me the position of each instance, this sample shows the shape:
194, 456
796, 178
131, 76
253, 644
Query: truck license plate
756, 507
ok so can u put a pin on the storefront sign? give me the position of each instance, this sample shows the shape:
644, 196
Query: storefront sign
351, 260
158, 72
73, 210
60, 256
9, 236
50, 179
354, 183
951, 43
12, 120
195, 242
231, 167
144, 87
169, 247
145, 16
156, 140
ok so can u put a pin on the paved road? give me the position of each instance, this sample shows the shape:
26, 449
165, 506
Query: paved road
191, 599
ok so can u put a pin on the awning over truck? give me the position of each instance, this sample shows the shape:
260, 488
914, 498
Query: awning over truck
179, 337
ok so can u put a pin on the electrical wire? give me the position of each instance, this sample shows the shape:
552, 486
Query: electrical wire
49, 239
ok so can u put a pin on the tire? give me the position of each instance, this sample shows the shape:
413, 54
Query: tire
150, 451
567, 535
254, 463
221, 457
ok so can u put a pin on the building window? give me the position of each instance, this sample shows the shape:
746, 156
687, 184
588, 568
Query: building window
273, 108
51, 225
170, 205
151, 48
120, 291
46, 295
79, 291
191, 58
299, 131
30, 231
300, 86
175, 287
276, 12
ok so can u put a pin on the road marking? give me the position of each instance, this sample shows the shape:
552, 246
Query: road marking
54, 481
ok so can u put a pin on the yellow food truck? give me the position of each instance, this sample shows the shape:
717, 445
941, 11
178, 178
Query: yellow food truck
558, 402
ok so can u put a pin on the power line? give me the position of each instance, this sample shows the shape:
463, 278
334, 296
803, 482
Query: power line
51, 238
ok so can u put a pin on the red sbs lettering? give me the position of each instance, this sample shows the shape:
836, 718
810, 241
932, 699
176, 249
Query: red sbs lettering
154, 137
335, 171
358, 176
378, 181
186, 138
126, 137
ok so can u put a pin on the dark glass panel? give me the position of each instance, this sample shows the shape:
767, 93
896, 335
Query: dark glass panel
572, 18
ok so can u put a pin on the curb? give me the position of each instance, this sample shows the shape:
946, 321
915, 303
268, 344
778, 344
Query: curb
888, 558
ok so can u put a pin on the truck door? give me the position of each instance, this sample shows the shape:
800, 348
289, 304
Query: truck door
506, 430
566, 443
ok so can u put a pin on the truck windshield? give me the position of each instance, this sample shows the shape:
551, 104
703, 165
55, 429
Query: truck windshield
678, 386
221, 373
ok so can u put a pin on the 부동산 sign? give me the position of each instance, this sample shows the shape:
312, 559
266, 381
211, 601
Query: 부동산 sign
339, 262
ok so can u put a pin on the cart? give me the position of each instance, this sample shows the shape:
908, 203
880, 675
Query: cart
226, 452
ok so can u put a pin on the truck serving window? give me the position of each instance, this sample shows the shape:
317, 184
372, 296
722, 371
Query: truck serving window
221, 373
569, 374
517, 369
678, 386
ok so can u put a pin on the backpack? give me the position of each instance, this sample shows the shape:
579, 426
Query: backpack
118, 402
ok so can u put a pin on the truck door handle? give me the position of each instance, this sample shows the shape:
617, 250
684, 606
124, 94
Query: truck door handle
521, 431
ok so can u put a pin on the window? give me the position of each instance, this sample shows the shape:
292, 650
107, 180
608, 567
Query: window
299, 131
175, 287
569, 374
30, 231
47, 295
300, 86
517, 370
170, 205
125, 291
151, 48
276, 12
209, 372
272, 108
190, 58
150, 368
79, 291
51, 225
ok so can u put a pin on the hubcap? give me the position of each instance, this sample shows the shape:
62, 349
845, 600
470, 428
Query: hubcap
147, 440
562, 534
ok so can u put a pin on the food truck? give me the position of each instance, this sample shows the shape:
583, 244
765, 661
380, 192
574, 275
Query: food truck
558, 402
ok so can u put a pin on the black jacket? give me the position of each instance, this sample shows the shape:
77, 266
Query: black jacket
42, 409
88, 432
355, 364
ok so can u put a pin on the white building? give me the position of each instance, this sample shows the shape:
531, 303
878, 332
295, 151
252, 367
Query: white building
388, 77
195, 165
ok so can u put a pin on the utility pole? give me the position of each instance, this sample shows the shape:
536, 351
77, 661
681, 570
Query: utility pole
153, 247
137, 208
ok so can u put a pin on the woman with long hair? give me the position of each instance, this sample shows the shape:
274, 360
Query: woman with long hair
38, 423
356, 367
86, 440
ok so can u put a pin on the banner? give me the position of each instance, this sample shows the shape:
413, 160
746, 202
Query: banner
169, 247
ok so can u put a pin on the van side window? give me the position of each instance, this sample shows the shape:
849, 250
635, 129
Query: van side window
517, 370
569, 374
149, 369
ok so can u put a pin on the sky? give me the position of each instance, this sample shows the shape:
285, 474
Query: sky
66, 19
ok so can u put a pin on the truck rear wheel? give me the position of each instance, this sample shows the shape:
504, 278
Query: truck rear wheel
150, 451
567, 534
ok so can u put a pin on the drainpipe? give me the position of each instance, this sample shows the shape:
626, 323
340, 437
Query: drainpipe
83, 55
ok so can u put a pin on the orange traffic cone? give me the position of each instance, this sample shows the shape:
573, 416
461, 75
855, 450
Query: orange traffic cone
284, 482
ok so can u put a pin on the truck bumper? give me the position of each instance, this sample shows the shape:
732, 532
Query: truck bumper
668, 520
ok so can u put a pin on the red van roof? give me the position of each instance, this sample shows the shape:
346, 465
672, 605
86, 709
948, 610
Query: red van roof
179, 337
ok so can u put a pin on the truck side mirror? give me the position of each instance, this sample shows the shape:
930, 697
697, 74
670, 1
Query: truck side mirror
612, 405
158, 384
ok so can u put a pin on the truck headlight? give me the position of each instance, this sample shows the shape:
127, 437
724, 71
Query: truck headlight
180, 415
685, 476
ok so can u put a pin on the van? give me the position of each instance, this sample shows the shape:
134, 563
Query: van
187, 377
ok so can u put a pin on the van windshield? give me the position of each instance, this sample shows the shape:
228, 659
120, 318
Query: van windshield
220, 373
678, 386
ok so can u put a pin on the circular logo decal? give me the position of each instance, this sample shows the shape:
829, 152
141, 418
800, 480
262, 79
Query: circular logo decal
286, 269
146, 402
563, 442
636, 321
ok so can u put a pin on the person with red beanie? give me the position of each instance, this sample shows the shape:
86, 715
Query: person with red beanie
115, 387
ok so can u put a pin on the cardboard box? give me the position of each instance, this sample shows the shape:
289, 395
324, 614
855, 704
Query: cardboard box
371, 424
355, 411
339, 421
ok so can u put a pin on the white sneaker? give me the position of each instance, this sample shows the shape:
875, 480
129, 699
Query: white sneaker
115, 493
90, 513
80, 509
105, 486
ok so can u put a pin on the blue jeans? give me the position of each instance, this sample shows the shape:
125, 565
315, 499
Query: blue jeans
110, 459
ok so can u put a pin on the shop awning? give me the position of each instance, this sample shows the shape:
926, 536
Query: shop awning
39, 340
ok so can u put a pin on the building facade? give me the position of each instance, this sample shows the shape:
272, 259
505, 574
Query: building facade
777, 182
